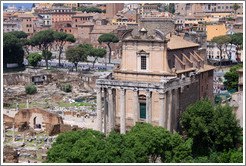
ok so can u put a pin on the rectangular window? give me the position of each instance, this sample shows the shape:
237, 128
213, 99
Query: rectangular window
143, 63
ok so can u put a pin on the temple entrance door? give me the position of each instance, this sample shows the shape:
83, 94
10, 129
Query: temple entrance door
36, 123
142, 110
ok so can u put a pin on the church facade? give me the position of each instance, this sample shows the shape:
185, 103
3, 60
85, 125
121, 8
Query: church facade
155, 83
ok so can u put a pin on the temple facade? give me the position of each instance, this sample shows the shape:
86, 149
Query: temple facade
155, 82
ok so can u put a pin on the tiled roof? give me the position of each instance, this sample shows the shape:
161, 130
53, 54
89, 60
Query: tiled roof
177, 42
104, 28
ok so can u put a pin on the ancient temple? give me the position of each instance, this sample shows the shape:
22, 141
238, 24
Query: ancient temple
158, 78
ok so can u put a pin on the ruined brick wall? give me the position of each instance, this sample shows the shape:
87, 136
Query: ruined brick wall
9, 155
27, 115
8, 120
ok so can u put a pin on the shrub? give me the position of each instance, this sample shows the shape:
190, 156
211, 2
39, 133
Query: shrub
66, 87
31, 89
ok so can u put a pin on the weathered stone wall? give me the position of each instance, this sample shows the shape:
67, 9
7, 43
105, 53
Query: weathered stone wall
9, 155
163, 24
206, 85
16, 78
189, 96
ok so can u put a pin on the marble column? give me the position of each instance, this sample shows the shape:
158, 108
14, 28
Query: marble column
173, 113
176, 109
99, 109
105, 115
169, 116
110, 109
135, 106
13, 132
162, 109
27, 103
114, 107
148, 107
122, 111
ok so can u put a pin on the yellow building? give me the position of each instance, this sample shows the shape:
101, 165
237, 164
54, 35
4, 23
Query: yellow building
46, 5
71, 4
215, 30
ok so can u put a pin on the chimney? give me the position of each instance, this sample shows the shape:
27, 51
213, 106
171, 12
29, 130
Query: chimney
143, 32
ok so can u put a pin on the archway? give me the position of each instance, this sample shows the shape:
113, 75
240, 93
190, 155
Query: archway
37, 123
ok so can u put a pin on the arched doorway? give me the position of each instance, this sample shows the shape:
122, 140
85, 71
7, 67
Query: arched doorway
37, 123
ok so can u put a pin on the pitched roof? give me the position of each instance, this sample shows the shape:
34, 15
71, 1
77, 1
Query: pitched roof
25, 15
177, 42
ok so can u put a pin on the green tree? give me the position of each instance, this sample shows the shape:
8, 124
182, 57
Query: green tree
237, 40
31, 89
93, 10
12, 50
231, 77
61, 39
44, 40
76, 55
171, 8
97, 53
220, 42
81, 8
196, 121
66, 87
225, 128
47, 56
137, 146
33, 59
104, 10
235, 8
212, 129
19, 34
108, 38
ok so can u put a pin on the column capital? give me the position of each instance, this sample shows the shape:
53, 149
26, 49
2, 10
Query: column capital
122, 91
162, 95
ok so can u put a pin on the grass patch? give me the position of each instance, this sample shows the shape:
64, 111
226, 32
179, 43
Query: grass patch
76, 104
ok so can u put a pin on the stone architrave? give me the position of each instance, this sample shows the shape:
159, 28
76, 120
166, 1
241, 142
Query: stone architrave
110, 109
162, 108
148, 107
135, 106
169, 116
99, 109
122, 111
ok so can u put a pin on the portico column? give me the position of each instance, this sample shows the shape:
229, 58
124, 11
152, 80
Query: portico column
27, 103
173, 112
122, 112
135, 106
105, 119
148, 107
162, 109
169, 116
110, 109
99, 109
114, 106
